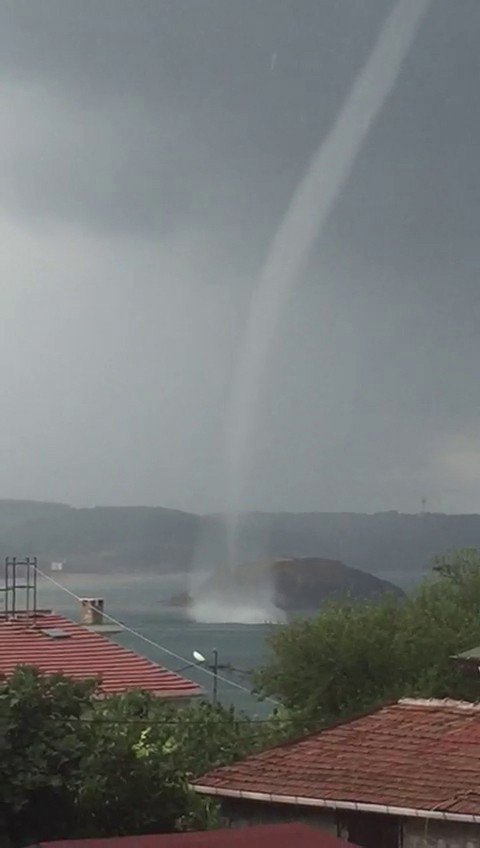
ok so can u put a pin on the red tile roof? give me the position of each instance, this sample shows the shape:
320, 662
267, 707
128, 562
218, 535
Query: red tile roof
83, 654
265, 836
414, 755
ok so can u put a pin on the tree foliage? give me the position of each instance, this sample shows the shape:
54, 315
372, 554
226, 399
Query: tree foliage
73, 765
355, 655
41, 748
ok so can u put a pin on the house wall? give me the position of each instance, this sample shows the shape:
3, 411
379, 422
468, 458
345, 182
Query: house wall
240, 813
413, 832
430, 833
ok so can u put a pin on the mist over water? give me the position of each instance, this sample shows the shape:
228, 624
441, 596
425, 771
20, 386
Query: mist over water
261, 611
214, 599
295, 237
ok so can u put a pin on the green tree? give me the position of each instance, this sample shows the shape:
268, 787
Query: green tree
74, 765
353, 656
143, 751
42, 744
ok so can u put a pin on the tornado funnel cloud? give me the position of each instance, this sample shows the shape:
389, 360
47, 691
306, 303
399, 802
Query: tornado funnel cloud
304, 220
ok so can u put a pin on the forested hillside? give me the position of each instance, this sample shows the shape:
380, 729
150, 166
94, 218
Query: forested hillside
165, 540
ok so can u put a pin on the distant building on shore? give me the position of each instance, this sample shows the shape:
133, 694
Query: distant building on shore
57, 566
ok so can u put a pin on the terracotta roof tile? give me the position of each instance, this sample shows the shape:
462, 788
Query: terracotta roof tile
84, 654
422, 755
263, 836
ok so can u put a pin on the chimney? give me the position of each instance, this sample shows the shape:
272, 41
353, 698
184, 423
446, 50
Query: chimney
91, 611
91, 616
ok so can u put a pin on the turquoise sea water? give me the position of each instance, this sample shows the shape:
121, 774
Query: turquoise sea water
137, 602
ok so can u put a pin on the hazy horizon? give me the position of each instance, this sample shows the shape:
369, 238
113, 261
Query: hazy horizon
223, 514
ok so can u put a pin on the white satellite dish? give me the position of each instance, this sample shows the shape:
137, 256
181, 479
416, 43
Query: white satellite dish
198, 657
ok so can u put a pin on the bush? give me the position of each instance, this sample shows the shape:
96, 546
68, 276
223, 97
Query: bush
353, 656
72, 765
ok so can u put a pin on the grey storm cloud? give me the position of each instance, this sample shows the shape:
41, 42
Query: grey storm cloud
148, 152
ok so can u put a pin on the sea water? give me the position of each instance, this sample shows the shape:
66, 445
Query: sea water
138, 601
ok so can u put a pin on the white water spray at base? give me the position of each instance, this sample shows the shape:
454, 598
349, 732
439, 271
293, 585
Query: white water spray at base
306, 216
212, 612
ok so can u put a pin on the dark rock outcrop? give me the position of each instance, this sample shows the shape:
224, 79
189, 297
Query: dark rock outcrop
295, 585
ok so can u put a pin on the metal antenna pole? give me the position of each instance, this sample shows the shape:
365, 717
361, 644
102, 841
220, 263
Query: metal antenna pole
14, 587
35, 562
20, 575
27, 587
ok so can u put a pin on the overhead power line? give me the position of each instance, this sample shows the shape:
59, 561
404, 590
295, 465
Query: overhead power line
151, 642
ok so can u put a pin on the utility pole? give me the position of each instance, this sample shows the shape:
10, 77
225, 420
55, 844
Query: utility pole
215, 667
215, 677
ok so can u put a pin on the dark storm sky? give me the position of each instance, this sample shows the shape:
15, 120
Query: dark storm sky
147, 155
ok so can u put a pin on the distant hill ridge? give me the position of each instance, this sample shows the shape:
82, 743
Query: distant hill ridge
165, 540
